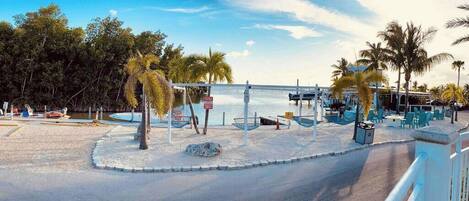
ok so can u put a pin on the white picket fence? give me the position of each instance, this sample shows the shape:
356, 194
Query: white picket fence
436, 174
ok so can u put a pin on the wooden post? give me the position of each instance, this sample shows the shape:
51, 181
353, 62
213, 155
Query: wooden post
89, 112
45, 111
101, 114
11, 111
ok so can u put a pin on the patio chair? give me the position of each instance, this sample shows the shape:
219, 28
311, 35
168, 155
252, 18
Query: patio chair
372, 117
422, 120
438, 115
408, 120
429, 117
380, 115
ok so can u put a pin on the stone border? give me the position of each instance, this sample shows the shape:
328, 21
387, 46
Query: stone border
247, 165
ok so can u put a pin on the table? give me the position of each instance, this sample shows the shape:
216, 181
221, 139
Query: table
394, 123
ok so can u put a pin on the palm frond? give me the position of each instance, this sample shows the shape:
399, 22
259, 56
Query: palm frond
461, 40
458, 22
464, 7
129, 91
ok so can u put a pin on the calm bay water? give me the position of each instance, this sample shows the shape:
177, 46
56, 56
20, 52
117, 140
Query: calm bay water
230, 100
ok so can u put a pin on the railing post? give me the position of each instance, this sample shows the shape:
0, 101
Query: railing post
435, 142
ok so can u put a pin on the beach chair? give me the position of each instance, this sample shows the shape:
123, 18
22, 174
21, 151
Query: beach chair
408, 120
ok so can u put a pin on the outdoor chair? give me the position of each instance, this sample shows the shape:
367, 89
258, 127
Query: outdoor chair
380, 115
372, 117
422, 120
408, 120
438, 115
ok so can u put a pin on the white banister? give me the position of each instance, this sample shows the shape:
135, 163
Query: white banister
410, 178
436, 174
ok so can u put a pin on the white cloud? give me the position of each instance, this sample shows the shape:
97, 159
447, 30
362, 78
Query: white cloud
236, 54
185, 10
433, 13
218, 44
250, 43
307, 12
113, 12
297, 32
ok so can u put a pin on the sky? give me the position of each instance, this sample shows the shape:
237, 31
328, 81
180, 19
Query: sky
276, 42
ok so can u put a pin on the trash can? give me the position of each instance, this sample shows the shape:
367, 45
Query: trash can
365, 132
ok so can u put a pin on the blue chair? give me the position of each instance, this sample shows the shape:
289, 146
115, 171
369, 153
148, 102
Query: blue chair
380, 115
408, 120
438, 115
422, 120
372, 117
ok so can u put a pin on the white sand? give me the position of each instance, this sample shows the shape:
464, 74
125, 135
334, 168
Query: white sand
265, 143
39, 148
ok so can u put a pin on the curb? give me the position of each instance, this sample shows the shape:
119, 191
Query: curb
224, 167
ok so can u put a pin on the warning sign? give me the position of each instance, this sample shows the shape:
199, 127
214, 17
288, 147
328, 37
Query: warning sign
208, 102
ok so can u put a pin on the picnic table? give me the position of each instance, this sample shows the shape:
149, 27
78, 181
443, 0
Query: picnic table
394, 123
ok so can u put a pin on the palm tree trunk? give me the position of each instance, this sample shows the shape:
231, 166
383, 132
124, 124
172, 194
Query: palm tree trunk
356, 119
194, 122
143, 135
148, 121
406, 97
398, 88
207, 110
456, 112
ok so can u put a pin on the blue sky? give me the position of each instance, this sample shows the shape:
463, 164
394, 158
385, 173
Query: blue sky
268, 42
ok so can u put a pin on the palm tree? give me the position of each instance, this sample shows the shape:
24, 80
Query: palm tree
458, 65
156, 92
453, 94
394, 37
460, 22
182, 70
341, 68
375, 59
416, 57
360, 82
214, 69
422, 88
415, 84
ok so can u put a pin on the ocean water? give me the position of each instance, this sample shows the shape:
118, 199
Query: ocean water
230, 100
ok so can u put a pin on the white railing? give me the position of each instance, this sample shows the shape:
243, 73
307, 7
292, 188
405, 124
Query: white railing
460, 170
435, 170
413, 179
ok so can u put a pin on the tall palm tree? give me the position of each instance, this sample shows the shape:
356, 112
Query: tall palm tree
375, 59
156, 92
360, 82
394, 37
458, 65
416, 57
460, 22
453, 94
215, 69
341, 68
182, 70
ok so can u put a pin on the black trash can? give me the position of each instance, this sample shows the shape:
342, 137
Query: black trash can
365, 133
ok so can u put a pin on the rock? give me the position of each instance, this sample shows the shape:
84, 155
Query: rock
207, 149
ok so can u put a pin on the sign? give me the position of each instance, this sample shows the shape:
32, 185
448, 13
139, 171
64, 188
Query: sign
289, 115
208, 102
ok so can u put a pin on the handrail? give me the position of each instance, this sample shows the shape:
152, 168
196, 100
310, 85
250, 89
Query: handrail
399, 192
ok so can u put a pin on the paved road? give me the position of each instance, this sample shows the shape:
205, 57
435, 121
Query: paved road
362, 175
